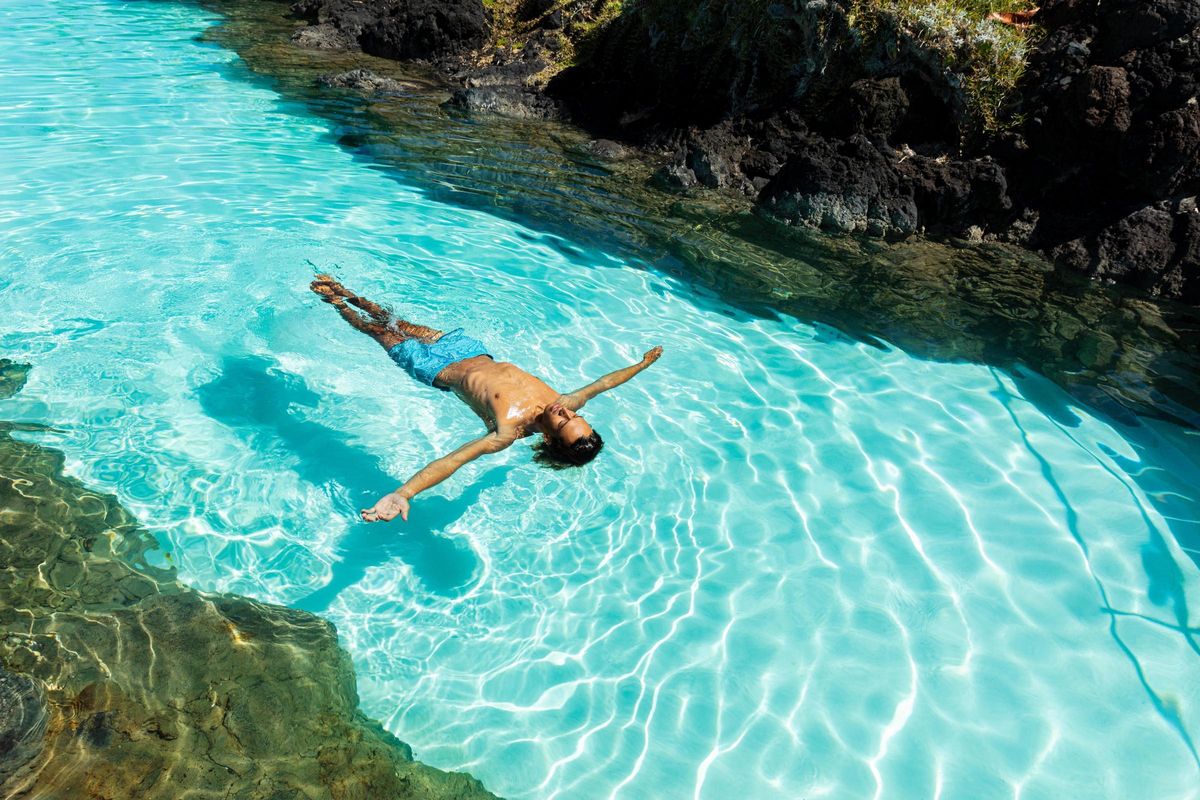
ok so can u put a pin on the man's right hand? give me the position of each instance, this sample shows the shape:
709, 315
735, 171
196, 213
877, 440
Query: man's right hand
388, 507
652, 355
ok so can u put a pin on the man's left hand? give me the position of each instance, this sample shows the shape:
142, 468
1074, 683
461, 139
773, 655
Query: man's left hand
387, 509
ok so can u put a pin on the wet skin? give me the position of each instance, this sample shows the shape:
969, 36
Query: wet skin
512, 403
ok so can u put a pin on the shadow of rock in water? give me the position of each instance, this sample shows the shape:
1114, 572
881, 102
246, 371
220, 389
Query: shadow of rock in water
259, 400
155, 691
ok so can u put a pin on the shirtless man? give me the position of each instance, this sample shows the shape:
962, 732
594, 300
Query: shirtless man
512, 403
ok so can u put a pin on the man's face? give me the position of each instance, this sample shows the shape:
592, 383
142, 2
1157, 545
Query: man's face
564, 425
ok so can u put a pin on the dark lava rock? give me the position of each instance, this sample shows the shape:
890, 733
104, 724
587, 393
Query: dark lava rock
23, 718
868, 131
608, 150
658, 66
401, 29
349, 16
505, 101
530, 10
365, 81
1156, 248
676, 176
855, 186
1113, 140
714, 157
423, 29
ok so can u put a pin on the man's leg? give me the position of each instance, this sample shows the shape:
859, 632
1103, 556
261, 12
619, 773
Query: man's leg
381, 326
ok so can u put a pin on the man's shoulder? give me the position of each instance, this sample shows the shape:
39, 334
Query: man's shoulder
504, 436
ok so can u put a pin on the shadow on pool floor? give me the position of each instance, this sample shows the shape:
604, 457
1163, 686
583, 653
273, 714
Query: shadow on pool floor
256, 398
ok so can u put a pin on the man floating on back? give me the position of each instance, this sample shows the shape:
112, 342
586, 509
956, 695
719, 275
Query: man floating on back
512, 403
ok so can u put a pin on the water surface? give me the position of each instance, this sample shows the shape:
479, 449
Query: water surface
805, 565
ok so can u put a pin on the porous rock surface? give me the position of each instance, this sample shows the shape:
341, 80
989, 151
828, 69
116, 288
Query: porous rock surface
400, 29
118, 682
1110, 156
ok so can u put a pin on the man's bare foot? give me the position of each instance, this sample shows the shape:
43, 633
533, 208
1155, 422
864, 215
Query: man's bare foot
329, 290
333, 291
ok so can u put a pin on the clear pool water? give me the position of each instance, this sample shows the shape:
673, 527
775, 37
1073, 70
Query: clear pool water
804, 567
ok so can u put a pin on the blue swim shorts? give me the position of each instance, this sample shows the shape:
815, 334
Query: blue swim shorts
424, 361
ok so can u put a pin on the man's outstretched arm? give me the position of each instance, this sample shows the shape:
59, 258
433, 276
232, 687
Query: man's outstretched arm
397, 503
576, 399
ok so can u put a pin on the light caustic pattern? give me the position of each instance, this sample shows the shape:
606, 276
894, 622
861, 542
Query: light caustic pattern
804, 567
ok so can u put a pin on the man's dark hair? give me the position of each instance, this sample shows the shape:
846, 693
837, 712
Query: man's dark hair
554, 454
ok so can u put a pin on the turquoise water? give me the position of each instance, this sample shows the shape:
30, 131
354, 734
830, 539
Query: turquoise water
804, 566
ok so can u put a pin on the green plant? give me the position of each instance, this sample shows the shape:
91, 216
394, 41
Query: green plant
988, 56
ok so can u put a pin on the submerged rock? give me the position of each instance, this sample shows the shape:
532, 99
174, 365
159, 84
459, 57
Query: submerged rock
506, 101
12, 377
23, 717
608, 150
322, 37
158, 691
366, 81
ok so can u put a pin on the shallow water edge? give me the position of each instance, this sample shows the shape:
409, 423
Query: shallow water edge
117, 681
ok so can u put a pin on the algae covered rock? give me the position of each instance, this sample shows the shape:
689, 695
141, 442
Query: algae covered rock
117, 681
23, 716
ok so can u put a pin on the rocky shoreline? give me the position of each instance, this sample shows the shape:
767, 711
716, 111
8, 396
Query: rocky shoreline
891, 129
117, 681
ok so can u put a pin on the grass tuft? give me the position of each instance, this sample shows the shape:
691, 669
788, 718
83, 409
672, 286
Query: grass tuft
988, 56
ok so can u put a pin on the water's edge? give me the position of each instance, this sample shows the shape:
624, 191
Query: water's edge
116, 680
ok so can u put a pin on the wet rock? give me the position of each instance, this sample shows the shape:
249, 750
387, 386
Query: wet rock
714, 157
1155, 248
323, 37
365, 81
505, 101
608, 149
676, 176
23, 719
12, 377
155, 691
